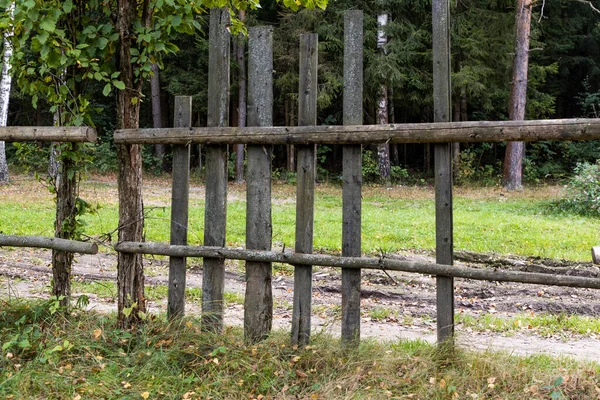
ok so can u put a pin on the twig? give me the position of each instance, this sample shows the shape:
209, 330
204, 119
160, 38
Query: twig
381, 265
589, 3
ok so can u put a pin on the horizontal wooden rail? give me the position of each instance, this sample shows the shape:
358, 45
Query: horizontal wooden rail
72, 246
48, 134
441, 132
358, 262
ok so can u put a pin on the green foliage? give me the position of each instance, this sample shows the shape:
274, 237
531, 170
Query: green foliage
370, 166
472, 169
583, 190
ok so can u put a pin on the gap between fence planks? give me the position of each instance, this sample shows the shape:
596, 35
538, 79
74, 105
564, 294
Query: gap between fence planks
436, 132
48, 134
53, 243
383, 263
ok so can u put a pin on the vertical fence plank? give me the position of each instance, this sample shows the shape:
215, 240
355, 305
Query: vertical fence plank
258, 302
305, 189
179, 209
443, 169
352, 175
213, 278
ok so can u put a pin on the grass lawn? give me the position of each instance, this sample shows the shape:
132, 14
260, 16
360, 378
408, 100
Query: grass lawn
402, 218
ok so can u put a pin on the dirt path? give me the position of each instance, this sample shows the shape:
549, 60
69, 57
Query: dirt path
395, 306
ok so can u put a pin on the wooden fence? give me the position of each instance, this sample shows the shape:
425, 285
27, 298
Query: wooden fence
260, 137
48, 134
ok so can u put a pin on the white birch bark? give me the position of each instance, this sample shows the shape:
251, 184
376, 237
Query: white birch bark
5, 84
383, 150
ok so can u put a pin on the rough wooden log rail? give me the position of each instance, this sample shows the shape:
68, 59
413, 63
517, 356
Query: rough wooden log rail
72, 246
440, 132
48, 134
359, 262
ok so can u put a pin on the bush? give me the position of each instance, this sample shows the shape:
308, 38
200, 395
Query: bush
583, 190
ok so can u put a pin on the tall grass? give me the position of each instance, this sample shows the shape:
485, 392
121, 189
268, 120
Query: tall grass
86, 357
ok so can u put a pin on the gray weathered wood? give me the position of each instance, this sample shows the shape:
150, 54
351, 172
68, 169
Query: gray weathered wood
484, 274
258, 302
179, 210
53, 243
352, 175
468, 132
305, 189
215, 215
442, 98
596, 254
48, 134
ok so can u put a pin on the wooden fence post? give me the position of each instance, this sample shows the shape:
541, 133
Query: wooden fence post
215, 215
305, 189
179, 209
443, 169
258, 302
352, 175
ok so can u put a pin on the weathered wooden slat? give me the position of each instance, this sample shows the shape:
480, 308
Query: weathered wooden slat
179, 210
440, 132
324, 260
442, 99
48, 134
53, 243
258, 302
215, 215
352, 175
305, 190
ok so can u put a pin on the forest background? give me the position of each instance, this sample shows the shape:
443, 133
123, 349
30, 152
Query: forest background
564, 82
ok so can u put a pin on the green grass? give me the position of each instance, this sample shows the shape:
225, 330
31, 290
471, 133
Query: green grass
521, 225
543, 324
105, 289
87, 357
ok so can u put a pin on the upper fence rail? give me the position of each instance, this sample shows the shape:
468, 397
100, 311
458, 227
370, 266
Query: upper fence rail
440, 132
48, 134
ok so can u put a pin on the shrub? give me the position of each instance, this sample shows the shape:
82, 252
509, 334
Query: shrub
583, 190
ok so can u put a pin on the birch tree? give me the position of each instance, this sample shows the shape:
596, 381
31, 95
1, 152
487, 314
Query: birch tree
5, 85
383, 149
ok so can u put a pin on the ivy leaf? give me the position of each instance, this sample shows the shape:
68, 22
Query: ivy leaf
67, 6
119, 84
48, 24
107, 89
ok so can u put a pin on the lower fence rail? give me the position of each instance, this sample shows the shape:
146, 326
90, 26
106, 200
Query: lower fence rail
377, 263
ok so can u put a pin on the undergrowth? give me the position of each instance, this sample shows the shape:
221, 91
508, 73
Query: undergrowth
85, 356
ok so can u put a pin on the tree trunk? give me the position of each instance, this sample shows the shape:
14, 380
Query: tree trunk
383, 149
513, 159
5, 84
130, 272
64, 226
240, 57
157, 120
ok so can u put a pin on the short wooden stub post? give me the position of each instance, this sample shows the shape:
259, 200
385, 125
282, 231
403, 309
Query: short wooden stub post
305, 189
596, 254
258, 302
215, 215
443, 170
352, 175
179, 209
